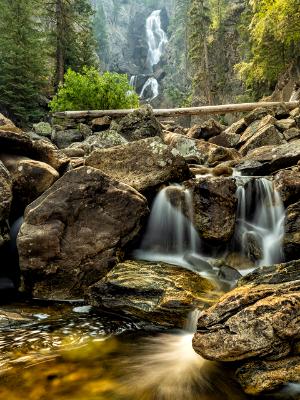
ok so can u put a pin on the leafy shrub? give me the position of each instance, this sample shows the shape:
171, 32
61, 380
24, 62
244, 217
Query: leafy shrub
90, 90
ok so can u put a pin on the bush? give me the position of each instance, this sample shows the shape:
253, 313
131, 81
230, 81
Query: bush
90, 90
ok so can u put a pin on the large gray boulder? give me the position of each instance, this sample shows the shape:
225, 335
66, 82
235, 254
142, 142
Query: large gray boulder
74, 233
143, 164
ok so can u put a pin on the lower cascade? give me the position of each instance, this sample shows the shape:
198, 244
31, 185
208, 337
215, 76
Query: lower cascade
260, 221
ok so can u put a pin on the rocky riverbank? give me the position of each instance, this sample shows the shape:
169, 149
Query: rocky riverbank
85, 190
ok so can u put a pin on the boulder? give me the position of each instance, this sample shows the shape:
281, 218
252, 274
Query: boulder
43, 129
287, 183
214, 204
101, 124
268, 159
161, 293
140, 124
255, 126
7, 125
260, 318
65, 138
291, 241
5, 203
19, 143
236, 128
284, 124
85, 130
73, 234
206, 153
206, 130
264, 136
143, 164
100, 140
263, 376
226, 140
30, 179
291, 134
256, 114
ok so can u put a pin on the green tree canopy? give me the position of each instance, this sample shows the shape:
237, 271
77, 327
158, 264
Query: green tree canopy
90, 90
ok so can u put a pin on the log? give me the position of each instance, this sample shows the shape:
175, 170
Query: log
173, 112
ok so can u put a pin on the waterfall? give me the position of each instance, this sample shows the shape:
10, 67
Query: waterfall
132, 81
153, 85
170, 235
156, 37
260, 221
156, 40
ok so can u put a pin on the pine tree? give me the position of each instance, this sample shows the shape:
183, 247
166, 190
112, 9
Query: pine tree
198, 50
22, 59
101, 35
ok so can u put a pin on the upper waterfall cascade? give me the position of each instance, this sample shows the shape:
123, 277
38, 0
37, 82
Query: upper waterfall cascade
157, 41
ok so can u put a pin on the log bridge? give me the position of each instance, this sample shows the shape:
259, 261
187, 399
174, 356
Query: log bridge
177, 112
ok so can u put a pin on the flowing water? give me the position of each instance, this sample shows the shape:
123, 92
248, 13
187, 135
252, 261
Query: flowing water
260, 220
68, 352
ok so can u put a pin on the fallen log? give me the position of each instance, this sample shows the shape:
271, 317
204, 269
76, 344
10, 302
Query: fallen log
173, 112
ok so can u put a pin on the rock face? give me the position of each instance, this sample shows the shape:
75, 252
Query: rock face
157, 292
30, 179
260, 318
291, 241
140, 124
287, 183
214, 205
143, 164
5, 202
73, 234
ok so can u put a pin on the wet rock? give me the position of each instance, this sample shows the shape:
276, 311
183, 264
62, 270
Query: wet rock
30, 179
100, 140
63, 139
260, 318
73, 234
43, 129
291, 134
143, 164
9, 318
206, 130
5, 203
199, 264
287, 183
214, 204
19, 143
252, 246
265, 376
140, 124
256, 114
226, 140
291, 241
157, 292
228, 273
222, 171
101, 124
267, 135
268, 159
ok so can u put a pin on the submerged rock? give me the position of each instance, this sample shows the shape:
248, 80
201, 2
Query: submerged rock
73, 234
157, 292
214, 204
143, 164
260, 318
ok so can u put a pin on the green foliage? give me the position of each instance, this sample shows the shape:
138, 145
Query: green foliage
274, 33
22, 59
91, 91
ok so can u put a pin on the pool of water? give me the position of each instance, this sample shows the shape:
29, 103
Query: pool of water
68, 352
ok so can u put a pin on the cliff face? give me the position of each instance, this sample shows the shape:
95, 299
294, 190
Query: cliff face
126, 29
